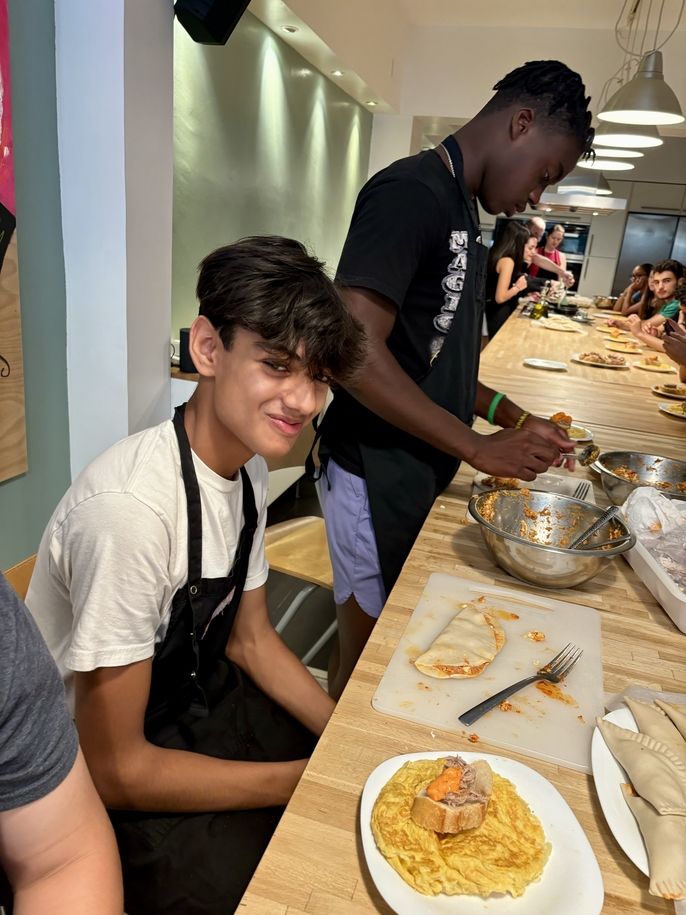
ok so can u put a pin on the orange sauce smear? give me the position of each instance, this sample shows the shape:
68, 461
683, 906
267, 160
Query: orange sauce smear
554, 692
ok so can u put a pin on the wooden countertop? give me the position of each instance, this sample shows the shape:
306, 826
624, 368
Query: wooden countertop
315, 862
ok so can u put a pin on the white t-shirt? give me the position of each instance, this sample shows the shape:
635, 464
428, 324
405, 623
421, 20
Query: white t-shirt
115, 550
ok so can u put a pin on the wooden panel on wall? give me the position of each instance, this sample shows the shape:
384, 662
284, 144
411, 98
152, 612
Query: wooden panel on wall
12, 425
12, 421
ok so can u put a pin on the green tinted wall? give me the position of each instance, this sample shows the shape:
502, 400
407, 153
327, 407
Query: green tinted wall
264, 144
27, 502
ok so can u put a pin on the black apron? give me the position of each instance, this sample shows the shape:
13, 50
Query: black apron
200, 864
404, 475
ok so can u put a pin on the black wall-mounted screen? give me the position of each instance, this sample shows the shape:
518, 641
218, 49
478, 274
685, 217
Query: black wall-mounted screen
209, 21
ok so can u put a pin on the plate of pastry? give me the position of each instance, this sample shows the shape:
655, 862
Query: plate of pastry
535, 843
601, 360
655, 364
560, 323
623, 346
674, 409
674, 391
614, 332
609, 777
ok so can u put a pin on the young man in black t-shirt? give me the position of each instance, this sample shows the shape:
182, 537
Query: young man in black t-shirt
412, 269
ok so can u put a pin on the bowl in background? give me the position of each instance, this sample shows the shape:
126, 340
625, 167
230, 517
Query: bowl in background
623, 471
528, 533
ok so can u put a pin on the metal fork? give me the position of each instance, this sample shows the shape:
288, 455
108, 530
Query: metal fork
554, 671
582, 490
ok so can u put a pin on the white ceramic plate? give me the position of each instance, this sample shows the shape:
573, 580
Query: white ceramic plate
622, 335
672, 409
571, 883
657, 389
621, 346
566, 326
599, 365
609, 777
546, 364
580, 434
663, 368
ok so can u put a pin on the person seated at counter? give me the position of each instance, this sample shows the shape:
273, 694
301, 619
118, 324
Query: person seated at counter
630, 299
412, 271
536, 226
505, 278
549, 251
667, 274
655, 336
674, 336
195, 719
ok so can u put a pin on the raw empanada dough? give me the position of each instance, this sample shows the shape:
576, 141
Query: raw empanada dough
657, 774
654, 722
677, 713
665, 840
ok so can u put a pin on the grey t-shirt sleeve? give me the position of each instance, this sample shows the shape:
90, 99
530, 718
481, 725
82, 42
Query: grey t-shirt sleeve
38, 741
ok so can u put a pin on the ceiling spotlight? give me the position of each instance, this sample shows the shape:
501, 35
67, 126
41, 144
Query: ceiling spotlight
595, 213
372, 104
291, 29
337, 73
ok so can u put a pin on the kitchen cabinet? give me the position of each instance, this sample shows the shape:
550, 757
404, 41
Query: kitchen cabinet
649, 197
597, 275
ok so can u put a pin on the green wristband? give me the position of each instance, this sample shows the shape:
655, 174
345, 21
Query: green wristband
493, 407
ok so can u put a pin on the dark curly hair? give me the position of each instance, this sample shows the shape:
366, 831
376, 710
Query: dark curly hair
555, 92
271, 286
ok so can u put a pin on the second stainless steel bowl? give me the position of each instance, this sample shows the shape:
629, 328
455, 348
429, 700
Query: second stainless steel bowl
623, 471
528, 534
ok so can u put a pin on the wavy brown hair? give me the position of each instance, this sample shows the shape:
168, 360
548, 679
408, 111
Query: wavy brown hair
271, 286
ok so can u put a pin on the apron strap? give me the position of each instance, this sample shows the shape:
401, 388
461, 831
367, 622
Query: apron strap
190, 482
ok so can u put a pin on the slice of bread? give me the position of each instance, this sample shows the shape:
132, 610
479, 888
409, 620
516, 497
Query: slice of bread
441, 817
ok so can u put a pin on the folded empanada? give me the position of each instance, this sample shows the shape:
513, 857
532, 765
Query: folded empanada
465, 647
654, 722
677, 714
656, 773
665, 841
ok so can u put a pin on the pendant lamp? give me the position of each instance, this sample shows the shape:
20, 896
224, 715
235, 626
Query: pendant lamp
645, 99
606, 165
607, 152
577, 182
627, 136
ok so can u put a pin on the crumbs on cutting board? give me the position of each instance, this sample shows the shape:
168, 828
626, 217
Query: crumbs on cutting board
535, 635
581, 719
473, 738
424, 686
506, 706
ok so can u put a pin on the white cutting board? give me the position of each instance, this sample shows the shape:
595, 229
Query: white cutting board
540, 726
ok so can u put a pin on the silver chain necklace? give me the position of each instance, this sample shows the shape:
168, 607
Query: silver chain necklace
451, 167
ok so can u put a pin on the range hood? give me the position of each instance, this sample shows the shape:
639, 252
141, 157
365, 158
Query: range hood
579, 204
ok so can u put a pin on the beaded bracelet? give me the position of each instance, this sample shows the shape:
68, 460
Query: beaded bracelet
494, 404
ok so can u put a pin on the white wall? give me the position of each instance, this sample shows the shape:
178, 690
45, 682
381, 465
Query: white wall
114, 88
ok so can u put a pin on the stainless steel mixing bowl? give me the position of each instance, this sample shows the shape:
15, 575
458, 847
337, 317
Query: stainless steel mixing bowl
663, 474
528, 533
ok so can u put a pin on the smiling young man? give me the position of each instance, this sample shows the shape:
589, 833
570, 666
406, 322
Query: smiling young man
195, 719
412, 271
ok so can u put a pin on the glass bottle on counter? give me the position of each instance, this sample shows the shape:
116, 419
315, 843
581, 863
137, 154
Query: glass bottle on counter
540, 309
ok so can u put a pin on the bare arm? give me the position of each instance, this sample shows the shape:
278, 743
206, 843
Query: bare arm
60, 853
505, 289
544, 263
258, 649
622, 299
388, 391
129, 772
